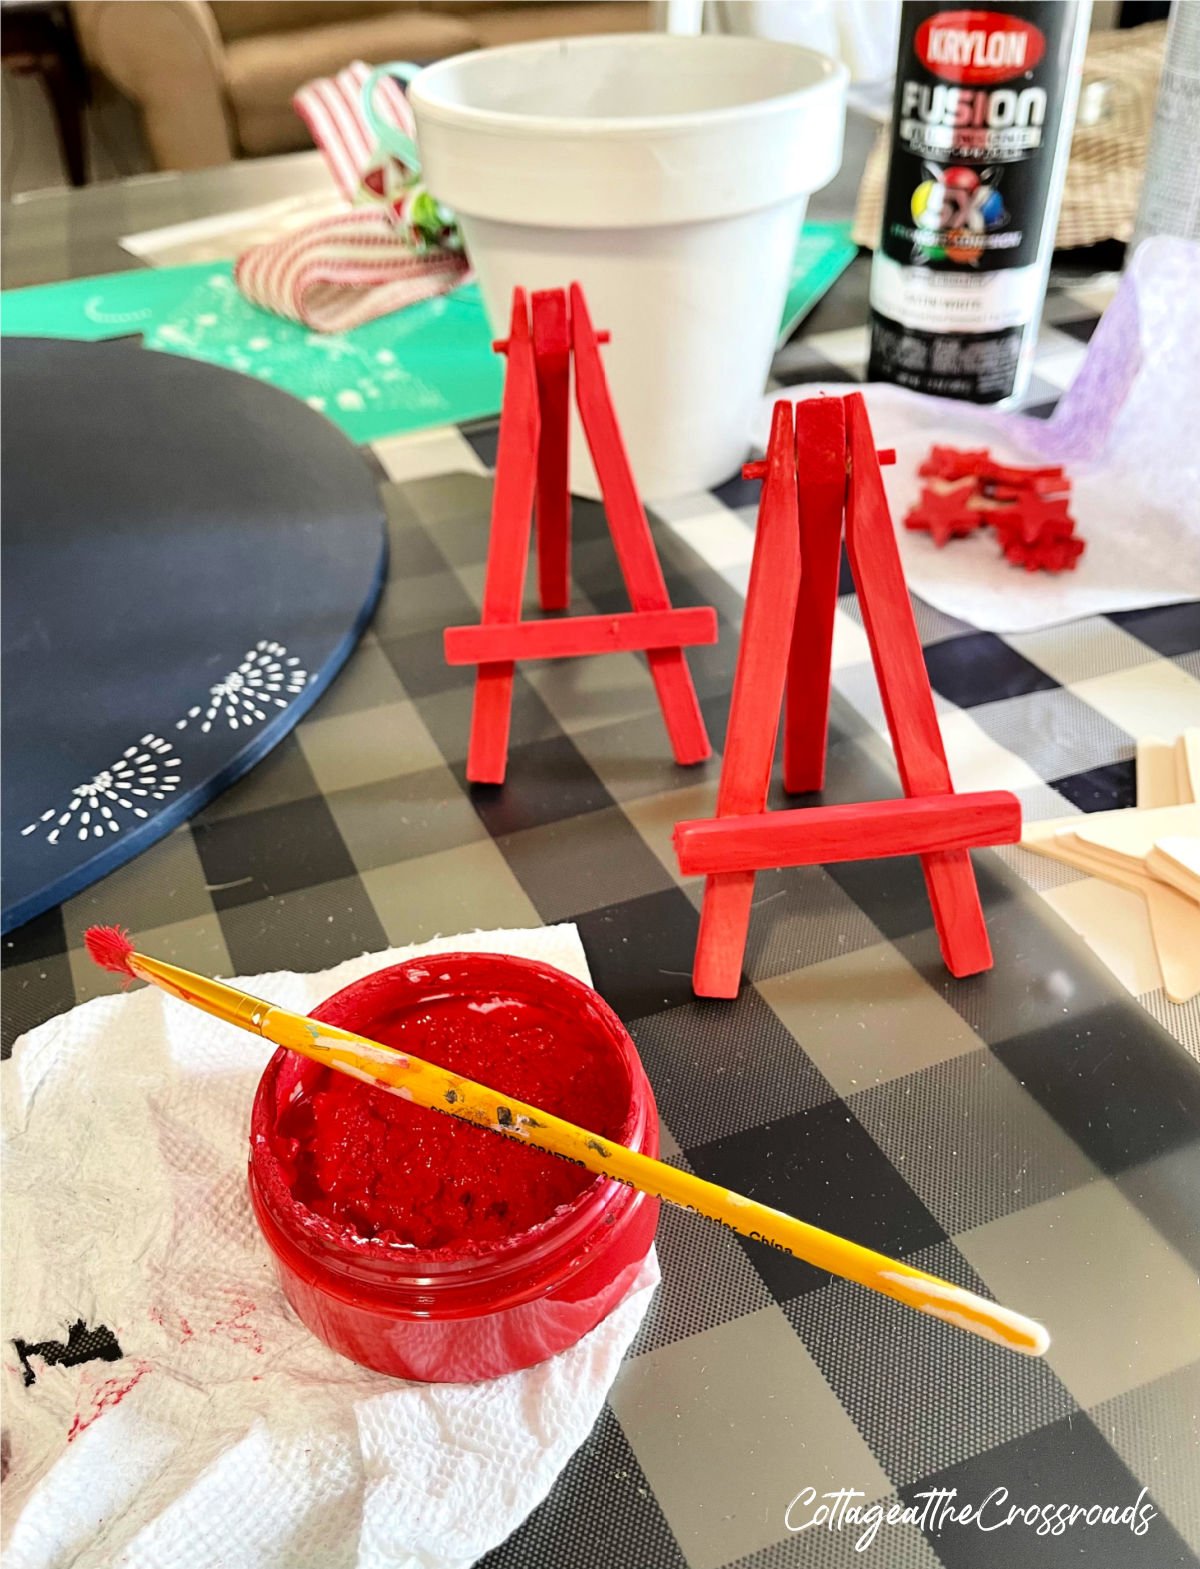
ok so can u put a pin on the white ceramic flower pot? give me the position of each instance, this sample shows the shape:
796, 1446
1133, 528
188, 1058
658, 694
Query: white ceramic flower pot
669, 177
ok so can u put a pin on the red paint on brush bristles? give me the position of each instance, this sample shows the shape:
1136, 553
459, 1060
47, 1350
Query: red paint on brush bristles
109, 947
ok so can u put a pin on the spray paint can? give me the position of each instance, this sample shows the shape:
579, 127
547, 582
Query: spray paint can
981, 133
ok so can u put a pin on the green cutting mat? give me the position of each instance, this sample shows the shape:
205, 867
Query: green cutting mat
430, 364
823, 252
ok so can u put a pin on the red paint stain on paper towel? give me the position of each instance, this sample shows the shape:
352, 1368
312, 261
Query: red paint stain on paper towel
238, 1328
104, 1397
157, 1316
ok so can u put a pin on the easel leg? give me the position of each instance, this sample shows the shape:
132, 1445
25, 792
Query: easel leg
821, 455
754, 710
724, 926
631, 537
508, 548
904, 688
491, 718
680, 705
957, 912
551, 348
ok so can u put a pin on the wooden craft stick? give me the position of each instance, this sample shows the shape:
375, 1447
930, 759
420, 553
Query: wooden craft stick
821, 469
1064, 847
904, 688
755, 708
1126, 838
1115, 924
552, 351
1174, 920
1156, 784
1183, 778
1188, 747
1176, 861
1183, 850
1175, 925
1096, 822
508, 546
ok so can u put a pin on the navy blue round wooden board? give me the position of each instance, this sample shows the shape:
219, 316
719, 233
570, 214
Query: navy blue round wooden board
189, 557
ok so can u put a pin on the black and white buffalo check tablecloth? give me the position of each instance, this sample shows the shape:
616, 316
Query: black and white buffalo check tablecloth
1033, 1132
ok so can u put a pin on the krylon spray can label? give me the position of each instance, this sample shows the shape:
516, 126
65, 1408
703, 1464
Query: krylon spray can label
980, 129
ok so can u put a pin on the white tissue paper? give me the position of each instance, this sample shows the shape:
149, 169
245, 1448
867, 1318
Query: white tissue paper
226, 1433
1126, 432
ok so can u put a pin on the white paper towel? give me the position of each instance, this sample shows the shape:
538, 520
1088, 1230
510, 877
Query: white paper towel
1126, 432
226, 1433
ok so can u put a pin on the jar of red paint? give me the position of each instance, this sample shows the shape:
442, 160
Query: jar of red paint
467, 1308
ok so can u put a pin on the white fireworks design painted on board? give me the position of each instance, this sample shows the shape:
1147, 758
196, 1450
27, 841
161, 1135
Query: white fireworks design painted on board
140, 775
266, 678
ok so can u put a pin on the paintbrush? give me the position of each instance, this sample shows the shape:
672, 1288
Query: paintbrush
425, 1084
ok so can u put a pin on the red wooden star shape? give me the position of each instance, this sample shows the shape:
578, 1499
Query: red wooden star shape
1032, 519
1045, 555
954, 463
945, 514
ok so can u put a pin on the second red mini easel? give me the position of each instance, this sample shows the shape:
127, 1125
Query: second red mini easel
532, 458
817, 466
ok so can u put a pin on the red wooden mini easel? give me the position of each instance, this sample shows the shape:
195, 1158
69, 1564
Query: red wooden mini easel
532, 459
787, 635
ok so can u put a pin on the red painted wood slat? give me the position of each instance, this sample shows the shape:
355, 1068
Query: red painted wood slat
577, 636
552, 355
821, 460
631, 536
817, 835
508, 546
904, 687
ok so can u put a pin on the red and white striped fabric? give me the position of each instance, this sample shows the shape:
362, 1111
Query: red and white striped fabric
343, 271
331, 107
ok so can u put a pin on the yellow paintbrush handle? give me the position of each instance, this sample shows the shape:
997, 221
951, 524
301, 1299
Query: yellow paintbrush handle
426, 1084
437, 1088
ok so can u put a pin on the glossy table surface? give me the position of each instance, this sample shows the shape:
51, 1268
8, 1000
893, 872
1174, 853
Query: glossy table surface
1033, 1132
